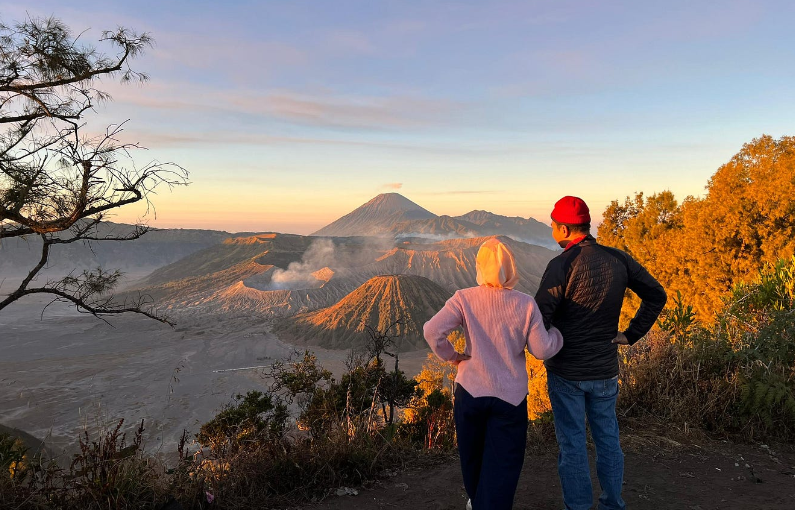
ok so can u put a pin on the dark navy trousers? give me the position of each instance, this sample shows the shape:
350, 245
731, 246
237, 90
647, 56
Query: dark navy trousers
492, 435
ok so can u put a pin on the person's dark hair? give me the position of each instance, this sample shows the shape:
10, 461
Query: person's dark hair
580, 228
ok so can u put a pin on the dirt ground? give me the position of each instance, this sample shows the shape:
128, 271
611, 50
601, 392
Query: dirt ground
660, 474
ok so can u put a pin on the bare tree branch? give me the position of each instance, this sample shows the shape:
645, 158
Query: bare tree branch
97, 311
57, 182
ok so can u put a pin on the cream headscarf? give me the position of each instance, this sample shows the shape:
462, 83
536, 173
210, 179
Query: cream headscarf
496, 266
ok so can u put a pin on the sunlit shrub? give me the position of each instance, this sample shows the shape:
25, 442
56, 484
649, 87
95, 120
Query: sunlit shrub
686, 384
430, 423
537, 394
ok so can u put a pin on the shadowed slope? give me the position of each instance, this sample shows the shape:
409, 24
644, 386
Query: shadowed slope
198, 277
263, 249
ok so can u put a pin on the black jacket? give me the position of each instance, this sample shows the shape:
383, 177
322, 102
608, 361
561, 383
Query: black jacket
581, 294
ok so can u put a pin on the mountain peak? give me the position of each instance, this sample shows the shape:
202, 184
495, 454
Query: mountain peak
394, 202
376, 216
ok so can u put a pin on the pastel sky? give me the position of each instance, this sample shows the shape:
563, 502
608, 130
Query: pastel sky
290, 114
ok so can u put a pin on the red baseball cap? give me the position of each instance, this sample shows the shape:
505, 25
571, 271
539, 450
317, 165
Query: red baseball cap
572, 211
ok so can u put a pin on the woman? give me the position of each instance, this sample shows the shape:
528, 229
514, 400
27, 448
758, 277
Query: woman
491, 385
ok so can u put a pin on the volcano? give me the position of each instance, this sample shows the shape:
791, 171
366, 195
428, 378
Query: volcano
378, 303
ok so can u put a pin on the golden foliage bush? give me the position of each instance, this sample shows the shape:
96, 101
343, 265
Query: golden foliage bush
725, 358
537, 395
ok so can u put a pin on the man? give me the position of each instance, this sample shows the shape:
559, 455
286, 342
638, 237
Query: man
581, 294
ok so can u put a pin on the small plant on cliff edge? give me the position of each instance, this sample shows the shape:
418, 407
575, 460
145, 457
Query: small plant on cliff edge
394, 388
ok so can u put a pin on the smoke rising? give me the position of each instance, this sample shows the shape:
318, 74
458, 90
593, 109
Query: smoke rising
322, 253
298, 275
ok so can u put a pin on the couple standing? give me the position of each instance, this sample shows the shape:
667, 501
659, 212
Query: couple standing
572, 324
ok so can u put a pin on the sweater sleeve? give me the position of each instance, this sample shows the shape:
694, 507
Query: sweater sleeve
440, 325
542, 343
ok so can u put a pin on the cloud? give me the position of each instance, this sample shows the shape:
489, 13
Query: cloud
464, 192
196, 51
152, 138
349, 42
393, 185
319, 109
333, 110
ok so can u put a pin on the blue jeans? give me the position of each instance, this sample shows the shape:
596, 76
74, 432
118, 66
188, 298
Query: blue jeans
572, 402
492, 435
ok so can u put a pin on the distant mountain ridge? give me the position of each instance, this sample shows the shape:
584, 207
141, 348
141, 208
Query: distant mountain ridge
445, 226
393, 215
158, 247
513, 226
397, 260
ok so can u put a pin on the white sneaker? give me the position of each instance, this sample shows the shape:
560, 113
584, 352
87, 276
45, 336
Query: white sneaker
469, 504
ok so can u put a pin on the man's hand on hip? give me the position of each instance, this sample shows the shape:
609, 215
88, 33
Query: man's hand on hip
621, 339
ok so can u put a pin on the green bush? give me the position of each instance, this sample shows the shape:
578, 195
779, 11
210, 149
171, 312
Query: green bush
253, 418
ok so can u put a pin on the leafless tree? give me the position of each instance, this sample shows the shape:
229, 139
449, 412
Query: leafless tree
58, 178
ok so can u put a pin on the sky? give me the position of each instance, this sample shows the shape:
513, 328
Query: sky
290, 114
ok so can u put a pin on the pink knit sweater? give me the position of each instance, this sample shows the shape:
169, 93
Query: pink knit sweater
498, 324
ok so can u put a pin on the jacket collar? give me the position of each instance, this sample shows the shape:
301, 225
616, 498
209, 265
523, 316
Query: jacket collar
586, 239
